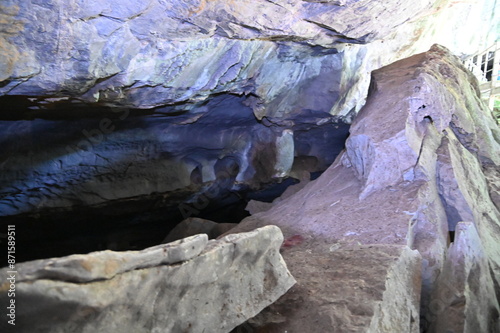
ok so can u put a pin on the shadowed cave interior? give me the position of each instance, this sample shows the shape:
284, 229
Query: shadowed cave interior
141, 221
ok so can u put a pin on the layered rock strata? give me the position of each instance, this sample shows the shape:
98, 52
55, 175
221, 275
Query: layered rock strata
160, 53
463, 298
156, 53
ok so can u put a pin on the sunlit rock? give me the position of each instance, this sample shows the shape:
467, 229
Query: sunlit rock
414, 165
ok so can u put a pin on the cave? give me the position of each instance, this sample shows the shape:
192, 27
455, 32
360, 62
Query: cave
255, 166
220, 176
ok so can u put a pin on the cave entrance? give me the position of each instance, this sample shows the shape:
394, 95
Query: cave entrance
122, 179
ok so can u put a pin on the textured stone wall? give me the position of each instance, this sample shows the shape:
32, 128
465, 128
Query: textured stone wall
156, 53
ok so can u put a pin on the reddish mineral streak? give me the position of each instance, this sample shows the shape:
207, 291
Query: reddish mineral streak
292, 241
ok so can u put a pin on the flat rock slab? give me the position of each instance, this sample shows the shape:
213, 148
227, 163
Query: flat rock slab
232, 280
104, 265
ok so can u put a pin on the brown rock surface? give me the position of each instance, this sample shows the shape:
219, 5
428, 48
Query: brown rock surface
413, 165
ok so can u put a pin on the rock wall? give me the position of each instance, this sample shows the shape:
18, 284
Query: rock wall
422, 156
130, 107
282, 61
60, 164
462, 301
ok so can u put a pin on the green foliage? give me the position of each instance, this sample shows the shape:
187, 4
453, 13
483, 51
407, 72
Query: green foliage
496, 108
497, 102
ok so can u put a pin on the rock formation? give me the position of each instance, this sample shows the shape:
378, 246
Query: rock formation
158, 53
120, 169
423, 155
463, 300
191, 285
127, 54
120, 119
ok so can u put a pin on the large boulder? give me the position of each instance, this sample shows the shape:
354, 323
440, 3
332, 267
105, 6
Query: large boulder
189, 285
423, 154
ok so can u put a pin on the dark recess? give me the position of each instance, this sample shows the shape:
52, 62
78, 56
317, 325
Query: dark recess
143, 221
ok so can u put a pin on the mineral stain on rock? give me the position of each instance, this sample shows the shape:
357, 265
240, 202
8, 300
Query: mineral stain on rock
292, 241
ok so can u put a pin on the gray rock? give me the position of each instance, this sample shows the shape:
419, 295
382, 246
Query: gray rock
462, 300
194, 225
104, 265
420, 157
423, 154
439, 141
161, 53
232, 280
97, 160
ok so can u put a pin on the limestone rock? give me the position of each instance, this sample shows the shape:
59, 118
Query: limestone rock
102, 160
105, 265
161, 53
462, 301
156, 53
232, 280
422, 156
194, 225
419, 159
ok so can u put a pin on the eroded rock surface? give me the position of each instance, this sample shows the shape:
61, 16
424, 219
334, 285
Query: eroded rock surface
231, 280
134, 176
288, 55
374, 288
48, 164
422, 157
463, 298
156, 53
419, 159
